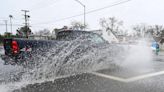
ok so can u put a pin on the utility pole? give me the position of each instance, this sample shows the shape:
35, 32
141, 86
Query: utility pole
6, 25
84, 11
11, 22
26, 22
26, 17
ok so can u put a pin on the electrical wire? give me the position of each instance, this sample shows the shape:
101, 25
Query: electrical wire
92, 11
66, 18
12, 25
34, 9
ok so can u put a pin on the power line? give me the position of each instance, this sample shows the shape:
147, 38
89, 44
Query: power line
12, 25
109, 6
44, 6
92, 11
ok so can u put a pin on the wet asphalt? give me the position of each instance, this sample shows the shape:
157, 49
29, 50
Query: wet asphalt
120, 79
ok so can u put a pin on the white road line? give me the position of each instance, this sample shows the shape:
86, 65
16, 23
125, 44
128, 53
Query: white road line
109, 76
144, 76
132, 79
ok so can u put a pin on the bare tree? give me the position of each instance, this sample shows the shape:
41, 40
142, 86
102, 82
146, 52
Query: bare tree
143, 30
111, 24
75, 25
140, 29
158, 29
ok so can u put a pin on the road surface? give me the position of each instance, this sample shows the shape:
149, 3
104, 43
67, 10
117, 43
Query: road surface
141, 77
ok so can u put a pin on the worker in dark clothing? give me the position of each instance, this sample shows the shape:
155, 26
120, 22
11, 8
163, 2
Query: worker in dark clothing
157, 49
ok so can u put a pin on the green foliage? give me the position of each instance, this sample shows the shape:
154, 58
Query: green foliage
1, 38
6, 35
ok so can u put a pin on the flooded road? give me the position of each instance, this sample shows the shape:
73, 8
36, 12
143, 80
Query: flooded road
137, 70
120, 79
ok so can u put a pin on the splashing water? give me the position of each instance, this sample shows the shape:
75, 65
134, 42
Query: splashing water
73, 57
139, 57
65, 58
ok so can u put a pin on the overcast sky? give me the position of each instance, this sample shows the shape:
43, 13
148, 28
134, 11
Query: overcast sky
49, 13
